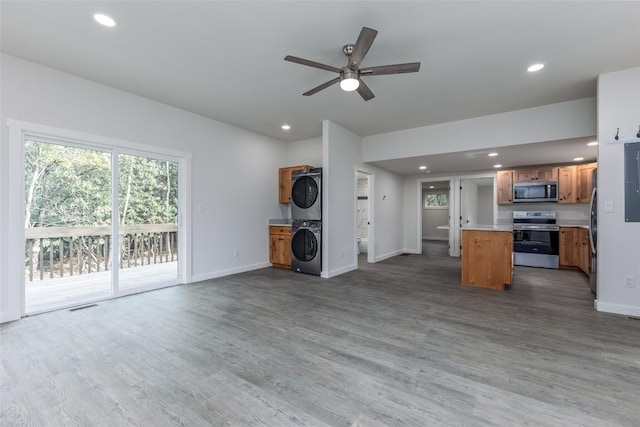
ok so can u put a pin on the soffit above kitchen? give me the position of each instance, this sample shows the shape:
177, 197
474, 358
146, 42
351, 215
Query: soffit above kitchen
224, 60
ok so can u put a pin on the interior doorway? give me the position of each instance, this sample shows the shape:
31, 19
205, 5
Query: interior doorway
364, 217
470, 199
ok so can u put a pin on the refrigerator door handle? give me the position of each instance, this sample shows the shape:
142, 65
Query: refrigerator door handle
591, 230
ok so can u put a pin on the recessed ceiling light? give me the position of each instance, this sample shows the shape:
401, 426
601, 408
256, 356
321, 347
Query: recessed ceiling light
286, 127
422, 168
497, 166
535, 67
593, 143
493, 154
105, 20
431, 186
577, 159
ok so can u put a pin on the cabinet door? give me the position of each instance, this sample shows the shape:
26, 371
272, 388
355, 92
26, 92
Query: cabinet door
284, 182
524, 175
546, 174
567, 184
584, 182
585, 251
569, 247
505, 187
284, 185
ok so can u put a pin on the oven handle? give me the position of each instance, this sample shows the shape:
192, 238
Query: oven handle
536, 227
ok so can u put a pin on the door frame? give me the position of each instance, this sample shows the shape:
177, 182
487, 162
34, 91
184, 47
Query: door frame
454, 207
371, 258
18, 131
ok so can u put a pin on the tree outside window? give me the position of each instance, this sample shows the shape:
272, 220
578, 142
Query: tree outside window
436, 200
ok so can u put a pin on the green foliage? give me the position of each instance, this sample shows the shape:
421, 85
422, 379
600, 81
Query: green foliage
436, 200
67, 186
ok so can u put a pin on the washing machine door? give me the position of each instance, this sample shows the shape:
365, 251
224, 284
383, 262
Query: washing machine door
304, 192
304, 245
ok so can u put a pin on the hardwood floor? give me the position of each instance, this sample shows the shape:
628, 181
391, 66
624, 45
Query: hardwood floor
399, 342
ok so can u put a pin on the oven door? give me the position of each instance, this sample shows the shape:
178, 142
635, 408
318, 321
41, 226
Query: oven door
536, 246
536, 240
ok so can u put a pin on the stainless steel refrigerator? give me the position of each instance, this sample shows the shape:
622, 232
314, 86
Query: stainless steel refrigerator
593, 234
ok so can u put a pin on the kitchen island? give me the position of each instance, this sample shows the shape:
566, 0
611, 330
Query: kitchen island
487, 256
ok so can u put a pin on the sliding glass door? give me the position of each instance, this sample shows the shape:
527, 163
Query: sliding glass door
147, 217
98, 223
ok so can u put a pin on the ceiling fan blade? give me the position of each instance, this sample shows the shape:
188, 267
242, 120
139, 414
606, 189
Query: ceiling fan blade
322, 86
311, 63
365, 39
364, 91
410, 67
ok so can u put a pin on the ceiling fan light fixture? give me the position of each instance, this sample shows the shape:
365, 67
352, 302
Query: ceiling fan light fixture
349, 80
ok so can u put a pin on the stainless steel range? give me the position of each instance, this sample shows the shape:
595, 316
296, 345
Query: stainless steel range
536, 239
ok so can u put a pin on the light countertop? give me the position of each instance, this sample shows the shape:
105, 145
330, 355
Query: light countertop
508, 227
282, 222
482, 227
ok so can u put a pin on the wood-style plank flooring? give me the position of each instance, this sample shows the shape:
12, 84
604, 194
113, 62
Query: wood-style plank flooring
399, 342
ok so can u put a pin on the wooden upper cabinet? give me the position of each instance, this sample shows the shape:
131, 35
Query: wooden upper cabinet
567, 190
584, 182
284, 187
537, 174
505, 187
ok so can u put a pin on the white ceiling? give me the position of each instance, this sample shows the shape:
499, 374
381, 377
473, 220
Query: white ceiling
224, 60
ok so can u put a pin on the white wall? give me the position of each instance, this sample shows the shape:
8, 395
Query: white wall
568, 213
618, 241
342, 158
565, 120
431, 219
234, 172
305, 152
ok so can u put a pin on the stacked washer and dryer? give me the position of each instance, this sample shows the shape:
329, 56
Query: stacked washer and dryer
306, 224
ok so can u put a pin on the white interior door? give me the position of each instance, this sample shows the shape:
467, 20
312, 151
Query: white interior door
468, 202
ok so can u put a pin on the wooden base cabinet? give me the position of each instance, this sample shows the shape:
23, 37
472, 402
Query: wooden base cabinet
280, 246
584, 259
487, 259
569, 246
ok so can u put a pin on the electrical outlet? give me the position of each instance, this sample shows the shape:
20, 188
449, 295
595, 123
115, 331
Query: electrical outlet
236, 253
629, 281
341, 254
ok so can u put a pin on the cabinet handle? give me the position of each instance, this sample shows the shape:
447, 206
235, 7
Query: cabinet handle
281, 238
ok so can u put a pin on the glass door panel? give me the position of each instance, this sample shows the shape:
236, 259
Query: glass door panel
67, 225
148, 229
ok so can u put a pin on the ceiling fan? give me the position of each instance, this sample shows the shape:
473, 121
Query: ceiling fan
350, 77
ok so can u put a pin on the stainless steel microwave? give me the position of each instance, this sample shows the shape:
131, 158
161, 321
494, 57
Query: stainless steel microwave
535, 192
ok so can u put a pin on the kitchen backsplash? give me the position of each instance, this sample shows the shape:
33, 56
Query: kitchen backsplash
575, 212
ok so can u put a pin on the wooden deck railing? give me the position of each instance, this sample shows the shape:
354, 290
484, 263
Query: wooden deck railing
65, 251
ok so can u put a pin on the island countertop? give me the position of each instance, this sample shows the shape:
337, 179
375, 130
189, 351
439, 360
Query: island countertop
482, 227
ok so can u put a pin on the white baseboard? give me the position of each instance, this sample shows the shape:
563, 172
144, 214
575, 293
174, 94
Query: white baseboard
228, 272
9, 317
412, 251
626, 310
339, 271
389, 255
